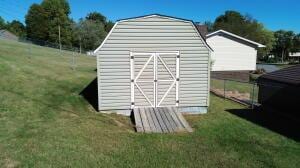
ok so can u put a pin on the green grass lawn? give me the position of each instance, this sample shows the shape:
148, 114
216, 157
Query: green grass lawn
241, 87
44, 122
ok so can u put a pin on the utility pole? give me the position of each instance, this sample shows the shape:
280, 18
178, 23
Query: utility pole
59, 37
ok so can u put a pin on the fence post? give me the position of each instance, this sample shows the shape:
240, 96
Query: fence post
29, 43
224, 88
253, 92
73, 60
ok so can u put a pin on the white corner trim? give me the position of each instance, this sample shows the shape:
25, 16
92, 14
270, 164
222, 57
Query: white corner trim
236, 36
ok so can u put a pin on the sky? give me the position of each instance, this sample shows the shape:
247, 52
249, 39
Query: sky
274, 14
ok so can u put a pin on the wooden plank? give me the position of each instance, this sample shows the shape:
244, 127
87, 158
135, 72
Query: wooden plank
165, 120
184, 122
176, 120
169, 118
160, 120
150, 120
138, 121
145, 120
155, 120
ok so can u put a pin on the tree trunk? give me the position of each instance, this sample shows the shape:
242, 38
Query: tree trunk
282, 56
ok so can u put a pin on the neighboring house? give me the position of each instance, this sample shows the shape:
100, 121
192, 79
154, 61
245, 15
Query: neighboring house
233, 56
90, 53
280, 90
5, 34
153, 61
295, 56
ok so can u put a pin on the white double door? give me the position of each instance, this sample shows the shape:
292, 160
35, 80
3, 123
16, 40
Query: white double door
154, 79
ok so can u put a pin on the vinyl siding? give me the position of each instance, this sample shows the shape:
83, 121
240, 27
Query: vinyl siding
153, 34
231, 55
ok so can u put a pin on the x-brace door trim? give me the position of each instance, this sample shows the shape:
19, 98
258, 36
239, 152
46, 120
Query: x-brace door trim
134, 79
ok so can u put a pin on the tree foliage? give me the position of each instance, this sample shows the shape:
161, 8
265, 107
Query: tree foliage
96, 17
209, 26
17, 28
2, 23
286, 42
99, 18
296, 43
108, 26
91, 31
246, 26
43, 21
36, 23
89, 34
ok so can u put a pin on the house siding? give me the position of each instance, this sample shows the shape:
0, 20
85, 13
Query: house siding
231, 54
152, 34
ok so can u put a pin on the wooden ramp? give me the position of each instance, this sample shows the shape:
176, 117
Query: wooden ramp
160, 120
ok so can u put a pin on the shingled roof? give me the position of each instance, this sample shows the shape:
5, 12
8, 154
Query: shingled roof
290, 75
202, 29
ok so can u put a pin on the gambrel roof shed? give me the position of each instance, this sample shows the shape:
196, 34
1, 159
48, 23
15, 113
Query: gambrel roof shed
153, 61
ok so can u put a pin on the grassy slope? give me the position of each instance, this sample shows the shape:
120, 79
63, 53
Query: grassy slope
45, 123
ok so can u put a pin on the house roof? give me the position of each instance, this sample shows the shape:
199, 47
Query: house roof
159, 15
235, 36
202, 30
290, 75
3, 31
7, 34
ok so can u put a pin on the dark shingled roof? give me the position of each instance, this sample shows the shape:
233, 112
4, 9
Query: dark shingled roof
290, 75
202, 29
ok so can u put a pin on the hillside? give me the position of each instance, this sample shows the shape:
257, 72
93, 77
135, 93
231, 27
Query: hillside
45, 122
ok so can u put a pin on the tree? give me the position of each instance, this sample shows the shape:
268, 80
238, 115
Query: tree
57, 12
108, 26
247, 27
17, 28
99, 18
296, 43
37, 26
209, 26
89, 33
44, 21
2, 23
283, 44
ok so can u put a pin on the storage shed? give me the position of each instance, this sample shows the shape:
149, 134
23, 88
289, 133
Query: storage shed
153, 61
280, 90
233, 56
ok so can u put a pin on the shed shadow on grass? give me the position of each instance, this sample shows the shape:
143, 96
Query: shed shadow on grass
90, 93
271, 120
